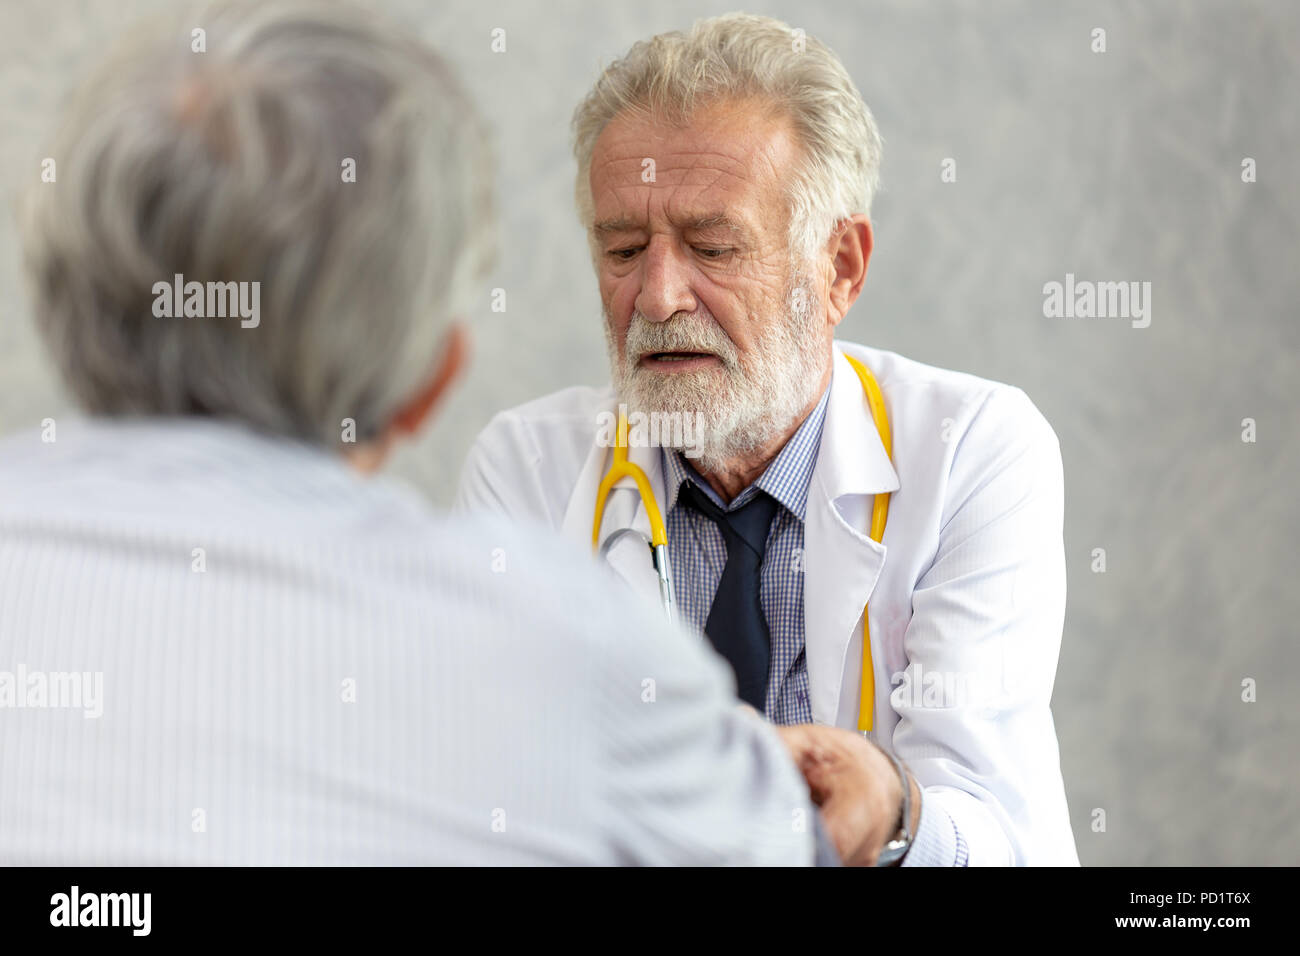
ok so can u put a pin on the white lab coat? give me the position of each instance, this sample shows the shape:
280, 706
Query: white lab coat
967, 589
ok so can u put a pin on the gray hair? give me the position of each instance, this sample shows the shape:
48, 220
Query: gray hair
741, 56
227, 166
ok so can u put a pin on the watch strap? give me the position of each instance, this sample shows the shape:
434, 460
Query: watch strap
895, 849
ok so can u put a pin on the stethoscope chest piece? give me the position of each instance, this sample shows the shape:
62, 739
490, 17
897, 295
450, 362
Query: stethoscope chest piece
663, 568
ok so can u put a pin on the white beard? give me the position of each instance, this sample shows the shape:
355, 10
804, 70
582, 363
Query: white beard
743, 406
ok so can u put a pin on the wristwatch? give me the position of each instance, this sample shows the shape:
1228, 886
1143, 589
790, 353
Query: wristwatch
896, 848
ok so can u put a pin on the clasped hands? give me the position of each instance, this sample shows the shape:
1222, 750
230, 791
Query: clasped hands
854, 784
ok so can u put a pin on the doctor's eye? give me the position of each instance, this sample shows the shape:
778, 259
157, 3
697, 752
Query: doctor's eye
623, 255
708, 252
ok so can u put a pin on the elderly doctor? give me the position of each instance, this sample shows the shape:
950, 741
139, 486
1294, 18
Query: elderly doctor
725, 176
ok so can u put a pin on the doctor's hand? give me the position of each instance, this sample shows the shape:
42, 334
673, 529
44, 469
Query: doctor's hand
856, 786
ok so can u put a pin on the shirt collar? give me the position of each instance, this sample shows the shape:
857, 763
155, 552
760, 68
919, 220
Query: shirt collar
786, 479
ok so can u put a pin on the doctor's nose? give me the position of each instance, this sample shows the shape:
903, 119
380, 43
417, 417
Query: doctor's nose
665, 282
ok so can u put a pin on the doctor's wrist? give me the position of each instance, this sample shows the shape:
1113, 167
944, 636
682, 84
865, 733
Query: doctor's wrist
917, 796
908, 820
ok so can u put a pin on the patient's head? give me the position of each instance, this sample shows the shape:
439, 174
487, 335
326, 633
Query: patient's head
313, 185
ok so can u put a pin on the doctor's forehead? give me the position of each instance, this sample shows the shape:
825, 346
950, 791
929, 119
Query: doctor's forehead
725, 169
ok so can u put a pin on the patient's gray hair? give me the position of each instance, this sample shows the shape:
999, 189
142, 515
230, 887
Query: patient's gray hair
741, 56
227, 166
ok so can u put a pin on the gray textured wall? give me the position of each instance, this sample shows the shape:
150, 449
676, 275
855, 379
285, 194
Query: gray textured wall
1123, 165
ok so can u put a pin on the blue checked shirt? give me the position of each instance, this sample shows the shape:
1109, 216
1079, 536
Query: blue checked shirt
699, 554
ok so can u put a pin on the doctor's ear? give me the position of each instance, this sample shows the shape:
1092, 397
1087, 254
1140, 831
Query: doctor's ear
850, 247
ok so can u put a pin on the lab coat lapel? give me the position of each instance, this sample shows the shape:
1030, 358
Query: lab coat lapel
629, 557
841, 562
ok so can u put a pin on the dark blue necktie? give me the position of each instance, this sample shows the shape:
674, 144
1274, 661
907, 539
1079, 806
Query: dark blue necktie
736, 625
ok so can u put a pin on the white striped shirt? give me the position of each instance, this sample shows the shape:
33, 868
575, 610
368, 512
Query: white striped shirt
302, 665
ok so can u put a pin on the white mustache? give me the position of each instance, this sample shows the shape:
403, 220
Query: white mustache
688, 334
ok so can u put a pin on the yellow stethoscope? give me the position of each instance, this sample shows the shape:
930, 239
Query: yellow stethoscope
622, 468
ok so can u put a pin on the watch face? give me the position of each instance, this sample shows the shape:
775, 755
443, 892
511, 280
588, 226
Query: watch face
892, 852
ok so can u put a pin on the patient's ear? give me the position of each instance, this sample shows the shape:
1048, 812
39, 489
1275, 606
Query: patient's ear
412, 416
